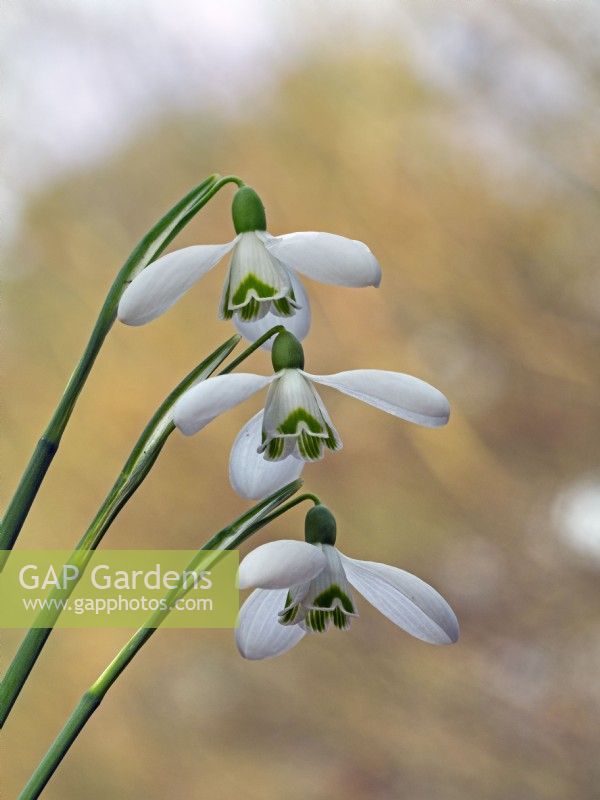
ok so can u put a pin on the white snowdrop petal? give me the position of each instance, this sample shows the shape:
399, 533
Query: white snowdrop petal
281, 564
250, 474
164, 281
404, 599
394, 392
298, 324
205, 401
259, 633
327, 257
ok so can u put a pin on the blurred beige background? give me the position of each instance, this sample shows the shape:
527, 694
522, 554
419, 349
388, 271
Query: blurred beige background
460, 141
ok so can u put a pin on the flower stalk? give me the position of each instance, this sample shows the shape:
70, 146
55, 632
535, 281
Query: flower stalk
148, 249
229, 538
135, 470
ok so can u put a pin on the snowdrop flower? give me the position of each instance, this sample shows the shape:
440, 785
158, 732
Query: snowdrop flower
304, 587
261, 285
295, 426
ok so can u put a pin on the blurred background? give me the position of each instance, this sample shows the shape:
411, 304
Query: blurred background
460, 141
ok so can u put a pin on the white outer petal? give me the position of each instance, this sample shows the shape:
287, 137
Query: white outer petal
298, 324
206, 400
327, 257
401, 395
164, 281
250, 474
259, 633
404, 599
281, 564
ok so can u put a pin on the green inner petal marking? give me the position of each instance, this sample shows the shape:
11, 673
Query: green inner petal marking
310, 447
252, 283
288, 617
275, 448
328, 597
310, 442
317, 620
331, 442
328, 609
250, 294
340, 620
283, 307
292, 422
250, 311
226, 313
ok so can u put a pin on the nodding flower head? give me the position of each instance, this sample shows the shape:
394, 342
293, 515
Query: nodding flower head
261, 287
306, 587
295, 426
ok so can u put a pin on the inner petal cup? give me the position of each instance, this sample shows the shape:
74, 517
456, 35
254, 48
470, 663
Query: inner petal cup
295, 421
326, 599
256, 282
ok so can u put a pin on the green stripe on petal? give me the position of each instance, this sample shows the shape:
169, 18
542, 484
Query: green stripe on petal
251, 286
332, 605
340, 620
289, 614
250, 311
288, 617
310, 447
317, 621
299, 419
283, 307
274, 450
332, 442
334, 597
224, 311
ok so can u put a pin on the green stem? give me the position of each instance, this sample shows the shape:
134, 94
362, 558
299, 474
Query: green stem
249, 350
296, 501
135, 470
227, 539
148, 249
